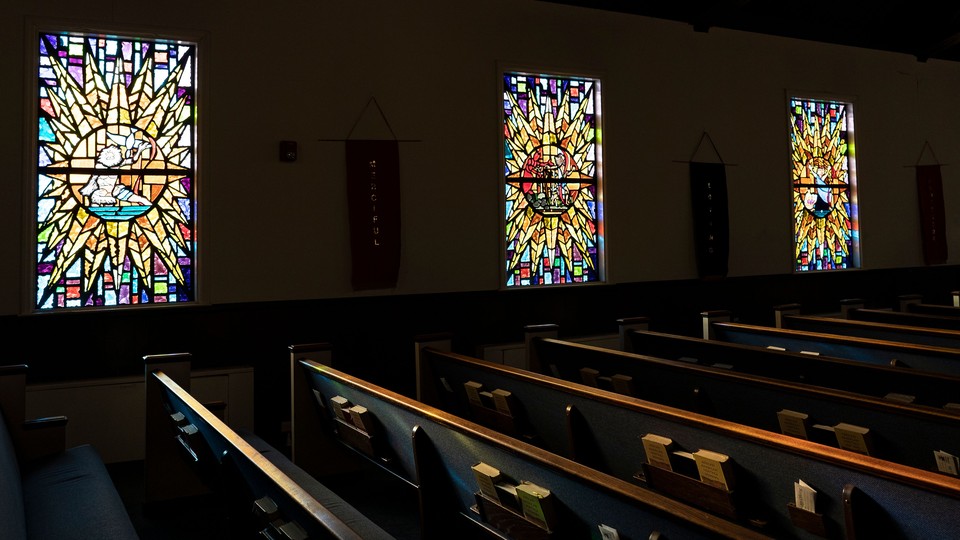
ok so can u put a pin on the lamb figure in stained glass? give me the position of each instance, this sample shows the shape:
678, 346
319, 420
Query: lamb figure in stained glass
106, 189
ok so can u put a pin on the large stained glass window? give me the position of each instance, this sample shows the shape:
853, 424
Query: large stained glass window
825, 226
551, 166
116, 170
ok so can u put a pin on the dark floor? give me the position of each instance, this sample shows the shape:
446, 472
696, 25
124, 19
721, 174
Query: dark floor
392, 505
199, 517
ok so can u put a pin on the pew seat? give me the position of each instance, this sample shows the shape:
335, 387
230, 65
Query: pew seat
55, 494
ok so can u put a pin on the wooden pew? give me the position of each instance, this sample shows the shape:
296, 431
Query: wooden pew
857, 324
436, 451
192, 452
940, 310
927, 388
913, 303
754, 400
906, 318
945, 360
603, 429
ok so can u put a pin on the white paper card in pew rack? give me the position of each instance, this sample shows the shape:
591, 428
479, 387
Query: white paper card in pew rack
804, 496
608, 533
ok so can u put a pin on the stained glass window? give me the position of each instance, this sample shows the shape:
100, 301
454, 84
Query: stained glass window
116, 166
551, 164
825, 226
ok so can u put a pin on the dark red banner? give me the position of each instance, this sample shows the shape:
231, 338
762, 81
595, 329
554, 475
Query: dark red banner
373, 198
932, 214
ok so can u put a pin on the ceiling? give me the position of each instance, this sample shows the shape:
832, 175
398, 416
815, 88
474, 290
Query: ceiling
923, 29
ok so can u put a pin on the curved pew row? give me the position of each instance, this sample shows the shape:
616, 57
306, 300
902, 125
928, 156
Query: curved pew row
909, 319
925, 387
762, 402
904, 315
914, 303
437, 451
603, 430
941, 310
717, 325
192, 452
888, 325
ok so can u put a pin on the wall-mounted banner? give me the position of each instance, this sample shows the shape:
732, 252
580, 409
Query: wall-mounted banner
932, 214
711, 235
373, 198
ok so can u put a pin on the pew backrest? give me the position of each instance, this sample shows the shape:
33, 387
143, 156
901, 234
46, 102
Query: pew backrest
875, 328
928, 388
905, 318
756, 401
875, 351
941, 310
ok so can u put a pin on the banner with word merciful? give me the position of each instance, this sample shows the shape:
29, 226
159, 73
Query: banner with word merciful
373, 199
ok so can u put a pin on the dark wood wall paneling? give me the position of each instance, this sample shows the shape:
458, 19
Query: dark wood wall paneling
373, 336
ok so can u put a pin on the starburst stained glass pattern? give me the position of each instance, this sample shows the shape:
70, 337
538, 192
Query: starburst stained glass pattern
115, 171
826, 229
551, 137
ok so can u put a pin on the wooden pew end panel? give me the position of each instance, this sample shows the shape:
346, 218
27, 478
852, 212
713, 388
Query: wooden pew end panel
865, 518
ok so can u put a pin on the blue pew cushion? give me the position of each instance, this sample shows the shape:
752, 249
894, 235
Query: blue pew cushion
11, 494
72, 496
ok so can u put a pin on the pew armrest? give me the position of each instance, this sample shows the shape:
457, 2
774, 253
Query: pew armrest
42, 437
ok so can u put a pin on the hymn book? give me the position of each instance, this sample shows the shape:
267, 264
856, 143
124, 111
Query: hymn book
473, 389
793, 423
362, 418
589, 376
487, 476
340, 404
715, 469
657, 448
622, 384
853, 438
503, 400
537, 504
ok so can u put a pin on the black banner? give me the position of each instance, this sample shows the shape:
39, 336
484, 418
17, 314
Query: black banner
932, 214
373, 198
711, 235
